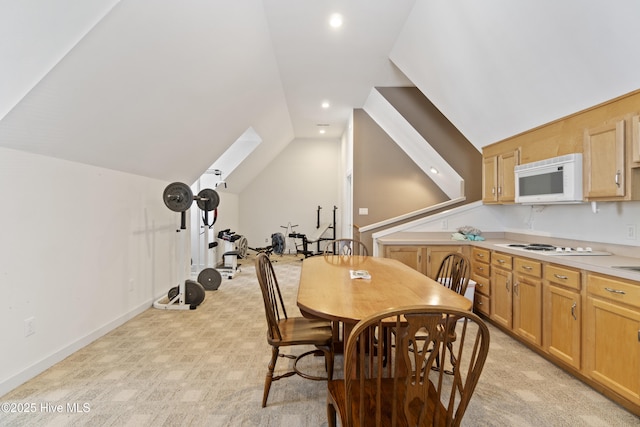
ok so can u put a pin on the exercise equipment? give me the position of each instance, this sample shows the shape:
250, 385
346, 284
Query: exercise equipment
178, 197
316, 237
235, 248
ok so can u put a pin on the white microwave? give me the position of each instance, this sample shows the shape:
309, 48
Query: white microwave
555, 180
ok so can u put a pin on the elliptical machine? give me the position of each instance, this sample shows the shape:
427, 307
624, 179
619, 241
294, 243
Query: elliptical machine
178, 197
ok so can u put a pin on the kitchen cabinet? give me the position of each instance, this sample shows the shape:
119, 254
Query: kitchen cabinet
635, 138
562, 322
527, 299
612, 334
480, 270
406, 254
604, 161
501, 289
425, 259
498, 178
435, 255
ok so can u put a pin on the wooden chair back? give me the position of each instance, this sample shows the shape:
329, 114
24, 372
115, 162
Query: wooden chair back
273, 303
392, 377
346, 247
454, 272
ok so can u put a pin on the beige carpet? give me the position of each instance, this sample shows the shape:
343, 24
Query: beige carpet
206, 368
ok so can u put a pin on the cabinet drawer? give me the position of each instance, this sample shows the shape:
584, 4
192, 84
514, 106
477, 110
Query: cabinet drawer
527, 266
501, 260
626, 292
482, 285
479, 269
481, 304
562, 276
480, 255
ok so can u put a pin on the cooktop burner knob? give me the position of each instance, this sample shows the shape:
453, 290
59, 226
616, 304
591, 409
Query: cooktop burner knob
588, 249
558, 249
568, 249
579, 249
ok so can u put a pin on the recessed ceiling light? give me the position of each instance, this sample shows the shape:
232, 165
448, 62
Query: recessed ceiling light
322, 131
434, 170
325, 104
335, 20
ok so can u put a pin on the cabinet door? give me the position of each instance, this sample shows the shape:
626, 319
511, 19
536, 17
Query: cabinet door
408, 255
490, 179
435, 255
506, 176
527, 308
501, 300
612, 350
562, 324
604, 166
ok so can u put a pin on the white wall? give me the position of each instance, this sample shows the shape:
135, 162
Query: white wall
83, 250
303, 176
577, 222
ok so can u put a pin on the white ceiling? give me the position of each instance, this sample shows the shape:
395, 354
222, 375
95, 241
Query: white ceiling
163, 88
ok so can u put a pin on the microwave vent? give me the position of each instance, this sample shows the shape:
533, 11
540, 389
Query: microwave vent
573, 157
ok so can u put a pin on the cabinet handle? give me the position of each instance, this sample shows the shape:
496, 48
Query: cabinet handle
573, 310
515, 288
481, 268
499, 190
480, 255
501, 261
493, 190
480, 285
618, 178
526, 267
506, 285
557, 276
615, 291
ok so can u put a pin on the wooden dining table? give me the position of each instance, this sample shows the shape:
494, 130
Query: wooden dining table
328, 291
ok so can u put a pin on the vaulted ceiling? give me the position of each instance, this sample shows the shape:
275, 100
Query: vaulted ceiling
163, 88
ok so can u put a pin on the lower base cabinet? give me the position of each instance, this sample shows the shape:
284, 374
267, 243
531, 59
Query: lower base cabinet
612, 335
562, 314
562, 324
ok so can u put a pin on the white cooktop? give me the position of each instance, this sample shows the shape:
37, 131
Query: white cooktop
550, 250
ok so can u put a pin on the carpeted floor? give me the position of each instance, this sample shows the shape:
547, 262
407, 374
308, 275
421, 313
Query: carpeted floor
206, 368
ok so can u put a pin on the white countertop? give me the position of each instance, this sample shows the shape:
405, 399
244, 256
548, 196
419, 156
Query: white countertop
595, 263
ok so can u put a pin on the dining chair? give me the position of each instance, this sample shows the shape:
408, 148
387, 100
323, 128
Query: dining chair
283, 330
346, 247
401, 384
454, 273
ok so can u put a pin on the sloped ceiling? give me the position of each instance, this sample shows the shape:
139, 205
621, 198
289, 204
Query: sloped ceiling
158, 89
163, 88
496, 68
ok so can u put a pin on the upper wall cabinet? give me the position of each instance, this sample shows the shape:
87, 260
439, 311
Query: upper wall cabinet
498, 178
604, 165
612, 160
607, 135
635, 138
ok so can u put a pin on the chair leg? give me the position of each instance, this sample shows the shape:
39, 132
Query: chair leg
267, 382
331, 415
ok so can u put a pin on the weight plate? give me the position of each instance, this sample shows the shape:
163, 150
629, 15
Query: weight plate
212, 199
194, 292
210, 279
242, 247
178, 196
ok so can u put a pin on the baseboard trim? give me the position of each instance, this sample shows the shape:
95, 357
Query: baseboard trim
37, 368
